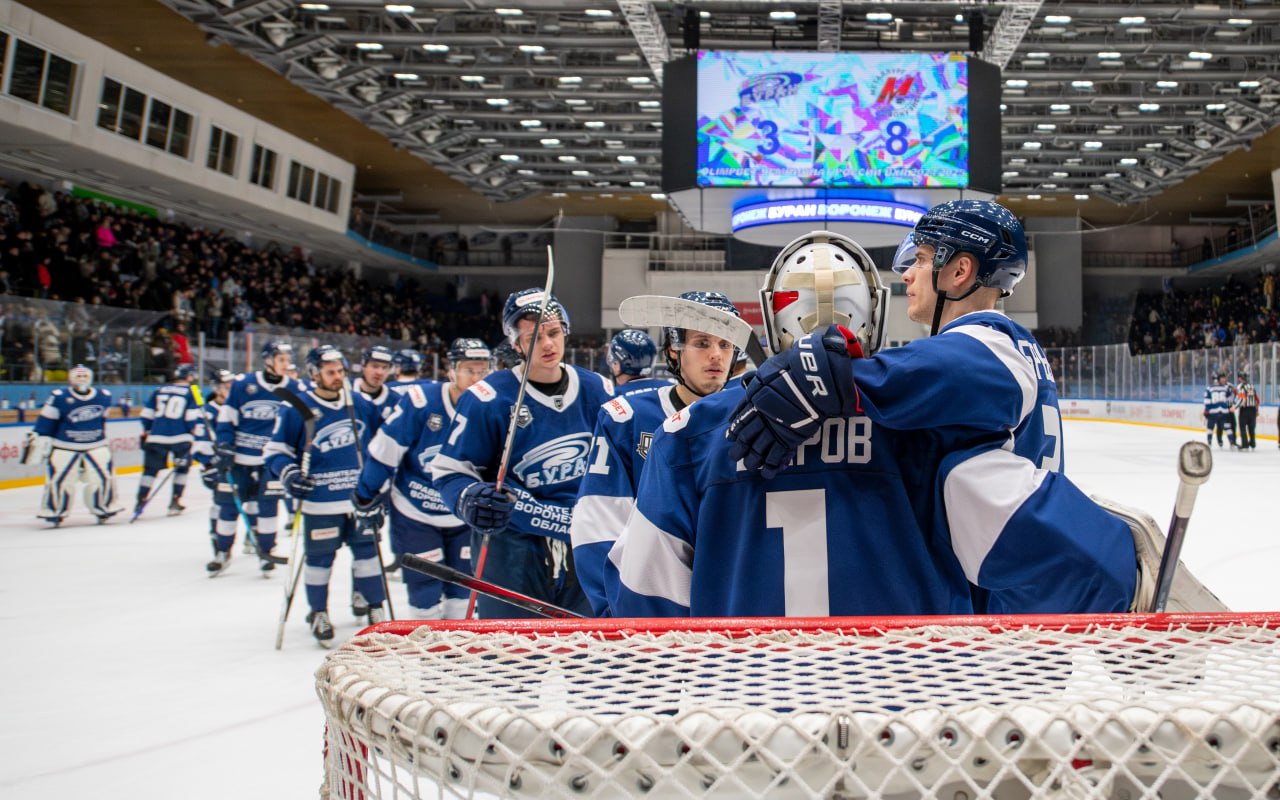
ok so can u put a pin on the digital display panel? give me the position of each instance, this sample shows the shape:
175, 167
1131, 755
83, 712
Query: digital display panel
834, 120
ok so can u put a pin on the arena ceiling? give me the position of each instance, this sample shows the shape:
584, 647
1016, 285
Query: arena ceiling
1154, 111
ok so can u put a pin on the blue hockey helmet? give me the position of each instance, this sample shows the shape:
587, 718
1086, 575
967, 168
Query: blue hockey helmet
527, 304
184, 372
465, 349
408, 360
379, 353
276, 347
217, 376
674, 338
505, 356
322, 355
985, 229
631, 352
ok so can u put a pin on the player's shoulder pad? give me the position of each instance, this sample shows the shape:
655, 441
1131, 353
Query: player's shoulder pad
483, 391
678, 420
619, 409
416, 395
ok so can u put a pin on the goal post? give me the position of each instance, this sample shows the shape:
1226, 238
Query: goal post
1117, 705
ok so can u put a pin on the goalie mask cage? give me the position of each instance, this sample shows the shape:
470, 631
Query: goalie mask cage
1126, 706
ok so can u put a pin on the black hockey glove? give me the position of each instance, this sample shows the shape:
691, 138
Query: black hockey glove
209, 477
295, 483
486, 508
224, 456
789, 398
369, 514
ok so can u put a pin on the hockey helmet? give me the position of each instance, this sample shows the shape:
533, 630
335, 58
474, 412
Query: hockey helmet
675, 338
631, 352
408, 361
184, 372
276, 347
985, 229
80, 377
527, 304
378, 353
505, 356
323, 354
465, 349
218, 376
819, 279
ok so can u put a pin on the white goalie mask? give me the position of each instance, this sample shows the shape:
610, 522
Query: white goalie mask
80, 377
819, 279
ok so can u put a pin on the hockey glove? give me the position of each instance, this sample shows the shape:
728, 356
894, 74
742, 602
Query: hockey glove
792, 394
224, 457
486, 508
369, 514
295, 483
209, 477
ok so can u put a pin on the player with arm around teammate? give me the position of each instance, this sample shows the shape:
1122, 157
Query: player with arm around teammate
624, 430
400, 455
70, 435
169, 422
982, 398
527, 522
325, 490
244, 427
839, 533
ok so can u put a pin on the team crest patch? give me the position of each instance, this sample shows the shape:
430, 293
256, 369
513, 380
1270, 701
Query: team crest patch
251, 389
435, 422
558, 400
524, 418
642, 447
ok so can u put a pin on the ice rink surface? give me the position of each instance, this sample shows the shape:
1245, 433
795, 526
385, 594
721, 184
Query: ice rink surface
127, 673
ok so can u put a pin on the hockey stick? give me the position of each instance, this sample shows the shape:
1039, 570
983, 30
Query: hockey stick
1195, 462
349, 400
155, 489
235, 492
308, 415
657, 311
448, 574
513, 423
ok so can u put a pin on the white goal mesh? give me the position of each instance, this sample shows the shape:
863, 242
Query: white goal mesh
1123, 706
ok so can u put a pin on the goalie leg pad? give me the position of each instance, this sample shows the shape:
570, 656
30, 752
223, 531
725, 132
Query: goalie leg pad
100, 483
61, 474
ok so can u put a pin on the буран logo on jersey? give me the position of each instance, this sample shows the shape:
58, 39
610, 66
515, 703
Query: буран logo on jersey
435, 422
333, 436
85, 413
559, 460
264, 409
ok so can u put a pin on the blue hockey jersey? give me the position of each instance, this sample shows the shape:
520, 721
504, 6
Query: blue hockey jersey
202, 449
983, 396
549, 454
1218, 398
247, 419
74, 421
384, 402
836, 533
170, 415
400, 387
402, 451
334, 461
623, 433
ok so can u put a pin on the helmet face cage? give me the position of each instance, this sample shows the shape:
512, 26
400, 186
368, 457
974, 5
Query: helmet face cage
823, 278
80, 377
632, 352
466, 349
527, 304
323, 354
987, 230
675, 338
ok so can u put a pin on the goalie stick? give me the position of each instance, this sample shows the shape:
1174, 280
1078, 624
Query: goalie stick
1195, 462
654, 311
349, 400
308, 415
515, 417
448, 574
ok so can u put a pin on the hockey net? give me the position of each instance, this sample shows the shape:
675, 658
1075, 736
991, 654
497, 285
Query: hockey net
1121, 706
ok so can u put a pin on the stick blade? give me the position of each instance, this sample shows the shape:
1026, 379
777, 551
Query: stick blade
659, 311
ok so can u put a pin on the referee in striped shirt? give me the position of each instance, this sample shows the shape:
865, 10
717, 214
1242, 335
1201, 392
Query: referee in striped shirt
1247, 402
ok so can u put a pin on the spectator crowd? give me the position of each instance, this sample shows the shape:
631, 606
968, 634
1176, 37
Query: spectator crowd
1233, 313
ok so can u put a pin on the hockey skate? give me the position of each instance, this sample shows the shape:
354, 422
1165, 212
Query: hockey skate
219, 562
111, 512
377, 614
54, 521
359, 606
176, 508
321, 628
265, 564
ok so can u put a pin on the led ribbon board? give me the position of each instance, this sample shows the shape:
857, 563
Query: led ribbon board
772, 212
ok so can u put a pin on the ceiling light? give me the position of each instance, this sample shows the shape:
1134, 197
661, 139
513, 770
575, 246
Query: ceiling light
1031, 145
1240, 22
471, 78
567, 159
1033, 197
1154, 145
1248, 84
1039, 54
1199, 55
658, 196
525, 172
879, 16
314, 6
570, 79
1215, 107
959, 18
598, 12
487, 140
1057, 19
532, 48
638, 79
558, 194
531, 123
1082, 84
550, 142
400, 115
370, 46
1148, 106
1015, 83
508, 12
397, 8
629, 58
1166, 84
1059, 174
1092, 145
649, 104
782, 15
1112, 175
593, 123
407, 76
704, 14
1046, 126
637, 184
1010, 174
627, 159
1081, 196
436, 48
509, 157
1133, 20
581, 173
497, 101
1128, 161
1108, 55
1059, 107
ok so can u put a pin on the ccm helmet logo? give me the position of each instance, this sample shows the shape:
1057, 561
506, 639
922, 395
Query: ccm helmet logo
976, 237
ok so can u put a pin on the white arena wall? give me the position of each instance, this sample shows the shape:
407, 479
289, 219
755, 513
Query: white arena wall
122, 434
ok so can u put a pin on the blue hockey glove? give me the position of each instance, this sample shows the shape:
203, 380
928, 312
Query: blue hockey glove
369, 514
790, 397
486, 508
295, 483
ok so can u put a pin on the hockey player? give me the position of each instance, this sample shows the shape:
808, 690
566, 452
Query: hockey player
244, 427
505, 356
71, 436
325, 490
527, 522
408, 370
1218, 397
624, 430
400, 455
375, 369
983, 400
169, 422
223, 514
630, 358
1247, 402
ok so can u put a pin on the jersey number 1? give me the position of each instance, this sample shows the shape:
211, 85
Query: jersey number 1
802, 516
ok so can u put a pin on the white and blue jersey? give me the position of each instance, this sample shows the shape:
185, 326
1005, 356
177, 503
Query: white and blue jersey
171, 415
400, 387
384, 403
836, 533
403, 449
334, 463
549, 454
248, 418
75, 421
624, 431
1218, 399
983, 394
637, 385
